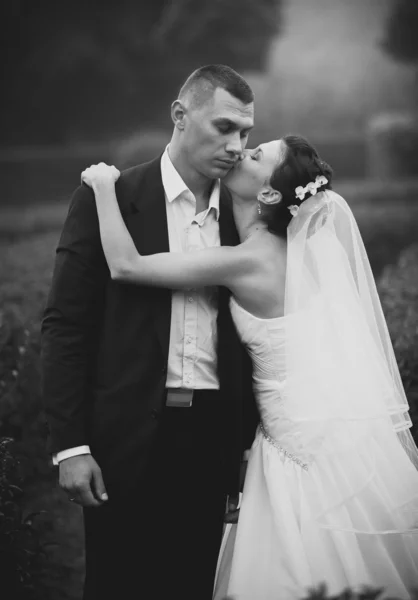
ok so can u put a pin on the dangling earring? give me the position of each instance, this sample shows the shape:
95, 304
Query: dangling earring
258, 207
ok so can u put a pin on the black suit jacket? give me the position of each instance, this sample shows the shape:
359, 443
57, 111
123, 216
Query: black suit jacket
105, 343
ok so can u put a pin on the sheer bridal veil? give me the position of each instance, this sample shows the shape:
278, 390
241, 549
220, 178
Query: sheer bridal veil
343, 383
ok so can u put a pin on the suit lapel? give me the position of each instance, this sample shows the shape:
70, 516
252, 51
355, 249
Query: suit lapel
229, 237
147, 224
227, 230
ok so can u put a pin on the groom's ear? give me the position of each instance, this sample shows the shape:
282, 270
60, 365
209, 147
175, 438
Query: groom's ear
178, 112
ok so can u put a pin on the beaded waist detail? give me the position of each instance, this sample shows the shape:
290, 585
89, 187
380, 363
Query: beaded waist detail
282, 450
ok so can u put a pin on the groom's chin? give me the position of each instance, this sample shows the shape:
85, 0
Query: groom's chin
219, 172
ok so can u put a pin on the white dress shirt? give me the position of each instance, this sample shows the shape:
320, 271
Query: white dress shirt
192, 358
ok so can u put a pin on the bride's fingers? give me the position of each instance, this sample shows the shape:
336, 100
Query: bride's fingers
98, 171
103, 168
116, 172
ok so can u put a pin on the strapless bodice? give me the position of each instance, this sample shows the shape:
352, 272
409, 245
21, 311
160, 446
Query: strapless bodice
264, 340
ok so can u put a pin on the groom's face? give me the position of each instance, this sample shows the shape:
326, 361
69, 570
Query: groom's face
216, 133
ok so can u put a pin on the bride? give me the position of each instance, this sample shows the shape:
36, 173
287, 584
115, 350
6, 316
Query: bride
331, 490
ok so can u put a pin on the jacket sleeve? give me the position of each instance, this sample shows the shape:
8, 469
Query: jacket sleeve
69, 322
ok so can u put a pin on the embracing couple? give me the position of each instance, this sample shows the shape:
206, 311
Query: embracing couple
213, 306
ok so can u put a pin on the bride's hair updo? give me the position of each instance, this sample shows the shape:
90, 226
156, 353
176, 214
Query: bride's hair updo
301, 165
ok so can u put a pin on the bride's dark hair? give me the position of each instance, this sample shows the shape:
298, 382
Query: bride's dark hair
301, 165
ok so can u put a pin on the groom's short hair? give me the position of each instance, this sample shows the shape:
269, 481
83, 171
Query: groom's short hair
203, 82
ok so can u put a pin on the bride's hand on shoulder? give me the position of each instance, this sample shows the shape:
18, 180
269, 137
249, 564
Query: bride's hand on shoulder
100, 175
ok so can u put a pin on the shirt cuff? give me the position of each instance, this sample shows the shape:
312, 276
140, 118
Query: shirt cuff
59, 456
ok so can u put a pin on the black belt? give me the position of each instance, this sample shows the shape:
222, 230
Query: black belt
182, 397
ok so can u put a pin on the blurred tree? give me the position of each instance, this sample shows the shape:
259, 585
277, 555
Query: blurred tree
401, 40
90, 70
393, 138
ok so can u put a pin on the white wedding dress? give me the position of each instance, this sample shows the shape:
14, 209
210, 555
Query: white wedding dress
321, 504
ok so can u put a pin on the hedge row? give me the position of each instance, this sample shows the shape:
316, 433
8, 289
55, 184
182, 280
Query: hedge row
26, 479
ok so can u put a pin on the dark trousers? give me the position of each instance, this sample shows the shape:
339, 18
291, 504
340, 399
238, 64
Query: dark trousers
162, 541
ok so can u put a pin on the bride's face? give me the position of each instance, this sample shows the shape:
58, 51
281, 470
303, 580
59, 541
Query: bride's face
254, 171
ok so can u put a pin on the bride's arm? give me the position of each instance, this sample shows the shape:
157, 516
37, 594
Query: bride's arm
212, 266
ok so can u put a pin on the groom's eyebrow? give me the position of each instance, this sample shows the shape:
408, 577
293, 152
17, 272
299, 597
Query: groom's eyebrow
231, 124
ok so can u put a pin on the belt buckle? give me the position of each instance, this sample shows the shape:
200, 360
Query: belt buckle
179, 397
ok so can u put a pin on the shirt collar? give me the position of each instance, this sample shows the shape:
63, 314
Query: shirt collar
174, 185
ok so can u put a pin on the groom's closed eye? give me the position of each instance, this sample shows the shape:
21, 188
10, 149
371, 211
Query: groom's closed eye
225, 126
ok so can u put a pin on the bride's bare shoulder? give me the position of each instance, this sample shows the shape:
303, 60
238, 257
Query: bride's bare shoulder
268, 250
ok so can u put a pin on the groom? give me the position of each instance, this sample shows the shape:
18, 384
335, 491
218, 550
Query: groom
147, 391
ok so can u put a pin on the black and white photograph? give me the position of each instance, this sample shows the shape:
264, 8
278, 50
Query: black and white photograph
209, 300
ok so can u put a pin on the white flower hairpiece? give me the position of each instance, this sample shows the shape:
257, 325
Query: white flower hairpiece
300, 192
311, 187
294, 209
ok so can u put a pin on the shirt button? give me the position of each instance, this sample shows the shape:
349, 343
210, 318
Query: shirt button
189, 340
164, 370
190, 299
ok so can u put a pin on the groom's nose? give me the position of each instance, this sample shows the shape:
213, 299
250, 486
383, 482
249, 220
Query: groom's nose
234, 145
